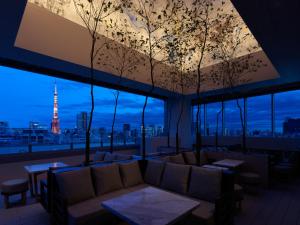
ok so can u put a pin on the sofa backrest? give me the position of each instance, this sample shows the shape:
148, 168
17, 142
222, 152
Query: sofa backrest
104, 156
190, 158
68, 183
177, 159
99, 156
106, 178
175, 178
154, 172
205, 183
131, 174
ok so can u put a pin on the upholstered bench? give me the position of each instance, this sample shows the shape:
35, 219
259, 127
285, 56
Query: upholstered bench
13, 187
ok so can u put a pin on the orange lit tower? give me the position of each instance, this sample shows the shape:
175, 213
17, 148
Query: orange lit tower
55, 128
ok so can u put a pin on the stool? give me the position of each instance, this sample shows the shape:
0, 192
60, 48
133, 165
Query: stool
238, 195
13, 187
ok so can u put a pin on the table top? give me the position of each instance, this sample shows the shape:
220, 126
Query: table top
215, 167
230, 163
38, 168
150, 206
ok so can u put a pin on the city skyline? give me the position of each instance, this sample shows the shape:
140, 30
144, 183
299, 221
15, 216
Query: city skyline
34, 102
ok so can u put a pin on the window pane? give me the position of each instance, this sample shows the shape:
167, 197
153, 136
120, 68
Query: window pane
214, 114
259, 116
27, 118
287, 114
233, 125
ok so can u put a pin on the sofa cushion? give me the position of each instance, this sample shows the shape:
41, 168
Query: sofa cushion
122, 157
109, 157
131, 174
177, 159
165, 159
175, 177
190, 158
203, 159
204, 213
154, 172
99, 156
76, 185
107, 178
89, 211
205, 184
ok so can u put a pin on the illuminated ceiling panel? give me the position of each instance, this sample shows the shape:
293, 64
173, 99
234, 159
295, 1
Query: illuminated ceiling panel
53, 28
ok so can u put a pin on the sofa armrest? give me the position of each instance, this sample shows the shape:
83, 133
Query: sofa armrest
225, 204
59, 214
224, 210
44, 194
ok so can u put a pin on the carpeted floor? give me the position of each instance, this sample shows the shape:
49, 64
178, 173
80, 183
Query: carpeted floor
33, 214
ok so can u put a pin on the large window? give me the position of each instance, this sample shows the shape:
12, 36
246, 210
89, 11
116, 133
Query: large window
287, 114
27, 114
259, 116
233, 125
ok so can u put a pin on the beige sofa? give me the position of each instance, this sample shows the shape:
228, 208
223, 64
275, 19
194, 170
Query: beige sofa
78, 193
253, 163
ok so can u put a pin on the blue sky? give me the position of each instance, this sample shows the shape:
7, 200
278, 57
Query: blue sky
28, 97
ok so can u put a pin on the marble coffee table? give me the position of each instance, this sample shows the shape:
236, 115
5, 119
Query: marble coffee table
150, 206
229, 163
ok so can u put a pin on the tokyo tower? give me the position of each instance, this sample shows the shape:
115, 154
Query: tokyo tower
55, 128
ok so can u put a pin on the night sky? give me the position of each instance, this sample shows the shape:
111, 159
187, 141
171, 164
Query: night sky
28, 97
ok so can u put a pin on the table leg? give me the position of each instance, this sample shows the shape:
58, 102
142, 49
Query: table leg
30, 184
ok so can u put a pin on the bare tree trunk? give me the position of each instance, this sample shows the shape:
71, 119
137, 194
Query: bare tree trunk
88, 132
177, 126
217, 129
198, 131
144, 129
244, 147
169, 123
113, 123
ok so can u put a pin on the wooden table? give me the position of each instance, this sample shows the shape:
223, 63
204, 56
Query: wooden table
34, 170
229, 163
150, 206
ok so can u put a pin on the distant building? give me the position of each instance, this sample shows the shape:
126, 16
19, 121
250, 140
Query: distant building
55, 125
4, 127
291, 127
159, 131
126, 129
82, 121
36, 125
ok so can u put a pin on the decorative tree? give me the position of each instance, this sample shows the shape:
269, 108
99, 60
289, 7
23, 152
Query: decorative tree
121, 57
152, 19
202, 22
93, 13
181, 48
168, 81
229, 36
